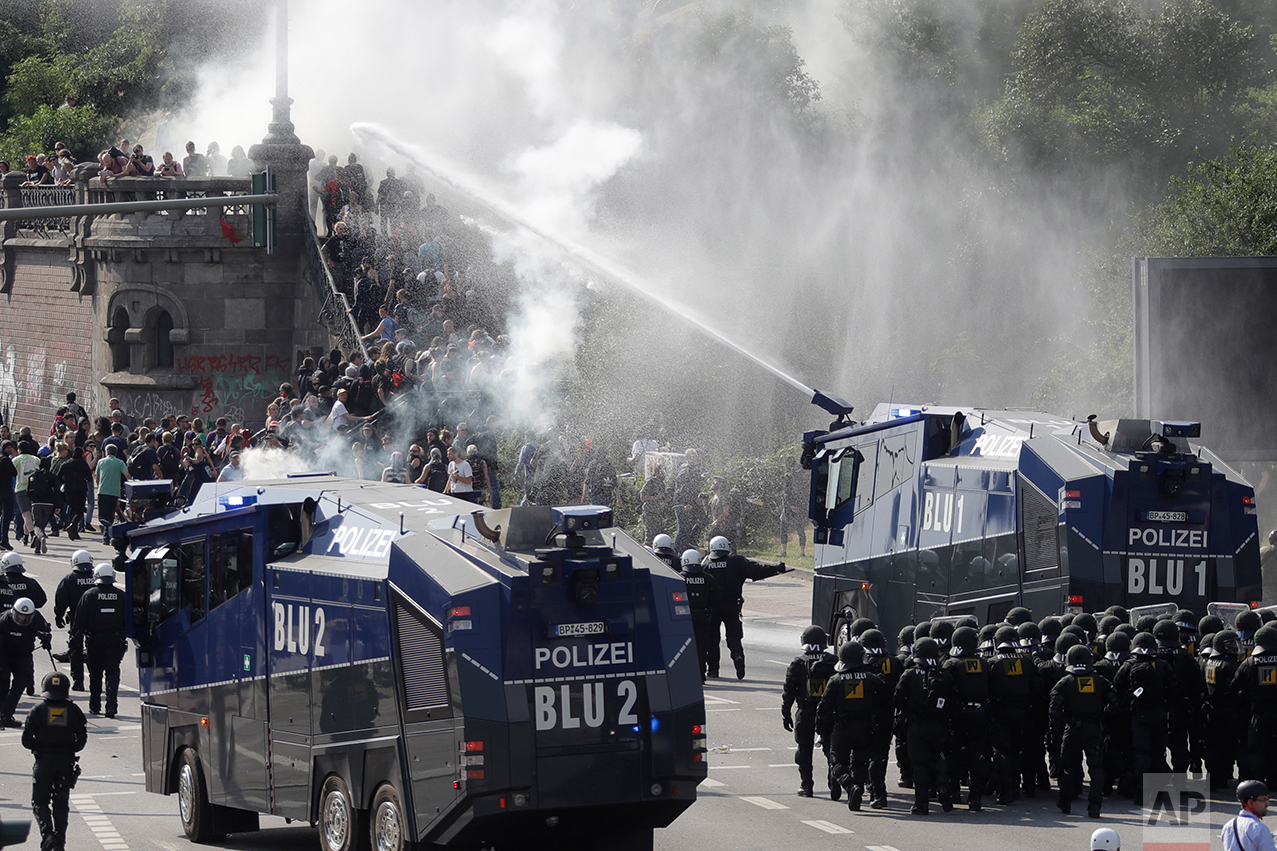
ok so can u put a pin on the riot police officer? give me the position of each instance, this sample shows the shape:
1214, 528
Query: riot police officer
702, 599
845, 718
65, 599
1078, 701
663, 548
927, 697
99, 621
1146, 686
22, 584
1036, 773
1117, 721
20, 628
1188, 690
731, 571
1013, 686
1246, 624
1225, 715
7, 597
1256, 681
55, 731
889, 668
970, 674
805, 682
904, 656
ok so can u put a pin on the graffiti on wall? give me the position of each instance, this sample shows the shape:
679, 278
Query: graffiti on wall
233, 384
37, 382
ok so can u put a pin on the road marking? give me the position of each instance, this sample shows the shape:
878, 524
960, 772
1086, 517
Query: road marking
710, 783
737, 709
727, 767
777, 662
880, 848
98, 822
783, 765
828, 826
748, 750
765, 803
709, 698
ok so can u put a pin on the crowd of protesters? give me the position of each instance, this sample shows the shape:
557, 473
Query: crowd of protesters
56, 167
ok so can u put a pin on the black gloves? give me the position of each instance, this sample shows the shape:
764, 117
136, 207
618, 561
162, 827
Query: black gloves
788, 721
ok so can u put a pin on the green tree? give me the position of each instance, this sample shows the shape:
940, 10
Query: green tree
82, 129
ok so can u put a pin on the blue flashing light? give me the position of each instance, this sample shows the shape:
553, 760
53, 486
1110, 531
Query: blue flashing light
656, 723
901, 413
236, 500
635, 728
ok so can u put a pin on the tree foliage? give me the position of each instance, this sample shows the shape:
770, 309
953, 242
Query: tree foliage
81, 129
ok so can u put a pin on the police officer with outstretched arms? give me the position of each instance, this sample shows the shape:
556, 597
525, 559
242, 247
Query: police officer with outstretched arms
731, 571
99, 621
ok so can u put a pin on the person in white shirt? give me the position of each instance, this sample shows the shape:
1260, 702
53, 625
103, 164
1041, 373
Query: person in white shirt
1247, 831
339, 418
232, 472
460, 476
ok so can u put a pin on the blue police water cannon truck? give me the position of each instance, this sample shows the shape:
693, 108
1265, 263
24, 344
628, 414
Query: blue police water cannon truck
927, 511
392, 665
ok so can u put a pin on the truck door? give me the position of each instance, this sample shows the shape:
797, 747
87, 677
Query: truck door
288, 625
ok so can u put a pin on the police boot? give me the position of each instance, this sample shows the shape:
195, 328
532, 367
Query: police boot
835, 788
1065, 803
855, 794
1093, 810
974, 801
920, 806
879, 802
806, 784
740, 666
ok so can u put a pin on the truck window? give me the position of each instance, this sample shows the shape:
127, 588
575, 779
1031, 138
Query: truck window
161, 583
849, 479
283, 532
895, 463
231, 555
194, 571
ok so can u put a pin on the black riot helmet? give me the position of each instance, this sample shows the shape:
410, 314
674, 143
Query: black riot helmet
1166, 633
1146, 624
1267, 615
942, 632
965, 640
1073, 629
1186, 620
1050, 627
1066, 642
1079, 659
922, 630
1029, 634
1018, 615
906, 636
926, 651
56, 686
1266, 640
850, 655
1225, 643
1066, 619
968, 620
1128, 630
987, 632
1206, 648
873, 641
1144, 644
1118, 642
859, 625
1006, 638
1119, 612
1087, 623
1108, 623
1249, 790
815, 635
1247, 622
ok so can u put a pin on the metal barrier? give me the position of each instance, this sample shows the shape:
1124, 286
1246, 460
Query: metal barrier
47, 196
335, 314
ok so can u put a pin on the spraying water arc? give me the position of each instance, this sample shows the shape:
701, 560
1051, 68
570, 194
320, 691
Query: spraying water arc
588, 259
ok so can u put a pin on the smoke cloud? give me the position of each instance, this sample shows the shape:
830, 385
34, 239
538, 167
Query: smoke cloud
853, 233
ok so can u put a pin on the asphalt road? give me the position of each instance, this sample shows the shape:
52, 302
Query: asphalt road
748, 802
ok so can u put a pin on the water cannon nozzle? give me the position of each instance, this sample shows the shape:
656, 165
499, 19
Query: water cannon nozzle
839, 407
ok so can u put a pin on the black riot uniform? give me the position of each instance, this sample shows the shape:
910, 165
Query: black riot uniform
889, 668
904, 656
968, 755
1050, 670
1188, 688
805, 681
927, 696
1078, 701
55, 731
99, 620
24, 585
1256, 682
1117, 720
1225, 715
845, 718
7, 597
65, 599
19, 633
1146, 686
731, 571
702, 599
1013, 686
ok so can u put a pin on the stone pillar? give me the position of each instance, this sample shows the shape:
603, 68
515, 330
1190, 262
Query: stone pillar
11, 194
287, 157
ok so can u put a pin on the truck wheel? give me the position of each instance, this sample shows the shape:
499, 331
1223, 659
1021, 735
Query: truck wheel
339, 822
192, 799
387, 829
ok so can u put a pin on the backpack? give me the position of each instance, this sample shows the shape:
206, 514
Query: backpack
138, 469
42, 487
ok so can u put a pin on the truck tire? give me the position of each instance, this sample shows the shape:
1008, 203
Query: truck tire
340, 825
387, 827
192, 799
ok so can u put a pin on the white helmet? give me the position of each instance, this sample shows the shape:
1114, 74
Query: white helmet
691, 557
104, 573
662, 542
25, 609
719, 544
80, 558
1106, 839
12, 563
